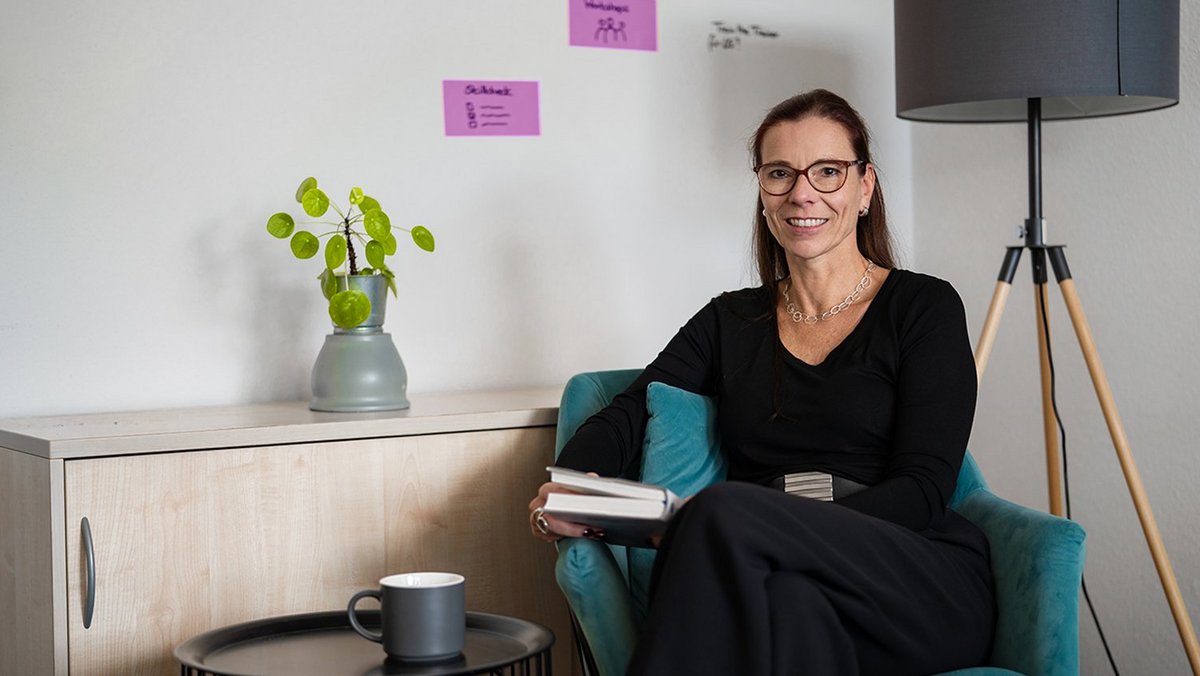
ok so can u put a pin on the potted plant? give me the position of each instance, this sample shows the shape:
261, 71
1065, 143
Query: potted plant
365, 227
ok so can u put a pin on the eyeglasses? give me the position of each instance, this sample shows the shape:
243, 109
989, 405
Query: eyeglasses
777, 178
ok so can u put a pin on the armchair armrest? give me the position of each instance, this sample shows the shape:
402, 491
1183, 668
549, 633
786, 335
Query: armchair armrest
1037, 562
595, 588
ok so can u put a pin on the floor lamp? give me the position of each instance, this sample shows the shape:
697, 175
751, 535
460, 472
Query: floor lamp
1028, 61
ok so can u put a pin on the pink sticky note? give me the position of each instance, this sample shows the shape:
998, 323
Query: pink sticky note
616, 24
491, 108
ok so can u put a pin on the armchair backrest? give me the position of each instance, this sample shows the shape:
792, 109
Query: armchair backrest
584, 395
970, 479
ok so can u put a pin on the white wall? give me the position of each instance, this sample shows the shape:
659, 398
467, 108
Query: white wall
145, 145
1120, 192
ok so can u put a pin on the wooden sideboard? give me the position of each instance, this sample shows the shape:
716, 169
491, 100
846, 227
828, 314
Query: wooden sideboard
206, 517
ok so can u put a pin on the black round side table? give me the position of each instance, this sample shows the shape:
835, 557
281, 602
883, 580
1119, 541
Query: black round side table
324, 644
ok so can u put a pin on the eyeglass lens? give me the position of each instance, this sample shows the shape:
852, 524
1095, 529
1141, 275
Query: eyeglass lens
779, 179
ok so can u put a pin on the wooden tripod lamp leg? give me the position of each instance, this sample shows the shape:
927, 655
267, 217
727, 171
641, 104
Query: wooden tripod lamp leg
1132, 478
983, 349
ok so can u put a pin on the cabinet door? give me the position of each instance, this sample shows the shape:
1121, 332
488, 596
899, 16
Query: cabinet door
461, 503
187, 542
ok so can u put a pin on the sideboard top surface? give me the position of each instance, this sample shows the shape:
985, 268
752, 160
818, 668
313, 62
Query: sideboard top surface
105, 434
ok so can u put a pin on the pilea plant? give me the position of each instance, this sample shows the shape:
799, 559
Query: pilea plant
348, 307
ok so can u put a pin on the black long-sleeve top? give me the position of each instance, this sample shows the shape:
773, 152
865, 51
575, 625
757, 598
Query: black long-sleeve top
891, 406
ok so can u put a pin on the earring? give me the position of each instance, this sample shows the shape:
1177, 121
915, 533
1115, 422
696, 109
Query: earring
764, 212
863, 211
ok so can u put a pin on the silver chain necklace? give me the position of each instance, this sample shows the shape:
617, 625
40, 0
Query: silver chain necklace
798, 316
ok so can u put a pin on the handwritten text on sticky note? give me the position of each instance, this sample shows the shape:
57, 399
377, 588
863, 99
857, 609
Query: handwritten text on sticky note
616, 24
491, 108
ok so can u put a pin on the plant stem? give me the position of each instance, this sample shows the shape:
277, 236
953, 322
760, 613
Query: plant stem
339, 211
350, 247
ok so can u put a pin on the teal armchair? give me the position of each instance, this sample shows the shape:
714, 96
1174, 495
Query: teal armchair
1037, 559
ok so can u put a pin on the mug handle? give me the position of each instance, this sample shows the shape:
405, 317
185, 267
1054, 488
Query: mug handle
365, 633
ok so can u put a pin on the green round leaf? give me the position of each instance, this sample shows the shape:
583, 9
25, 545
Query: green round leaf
349, 308
305, 185
375, 253
423, 237
335, 252
367, 203
315, 202
391, 279
329, 283
356, 195
389, 244
280, 225
377, 224
305, 244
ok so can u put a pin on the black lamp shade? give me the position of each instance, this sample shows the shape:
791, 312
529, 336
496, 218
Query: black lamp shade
982, 60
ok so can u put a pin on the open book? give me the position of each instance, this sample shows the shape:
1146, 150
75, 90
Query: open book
628, 512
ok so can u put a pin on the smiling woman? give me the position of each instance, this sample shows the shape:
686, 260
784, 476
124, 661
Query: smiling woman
842, 131
837, 367
813, 224
813, 219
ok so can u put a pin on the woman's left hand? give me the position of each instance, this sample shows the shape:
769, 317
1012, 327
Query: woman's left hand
548, 528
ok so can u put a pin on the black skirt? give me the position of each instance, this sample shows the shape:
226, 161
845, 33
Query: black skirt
750, 580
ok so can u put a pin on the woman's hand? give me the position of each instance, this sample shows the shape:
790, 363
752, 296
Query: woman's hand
547, 528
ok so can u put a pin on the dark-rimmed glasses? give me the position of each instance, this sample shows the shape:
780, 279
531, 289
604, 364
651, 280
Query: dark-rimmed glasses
777, 178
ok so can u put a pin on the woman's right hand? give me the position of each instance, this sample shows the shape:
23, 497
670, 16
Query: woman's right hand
548, 528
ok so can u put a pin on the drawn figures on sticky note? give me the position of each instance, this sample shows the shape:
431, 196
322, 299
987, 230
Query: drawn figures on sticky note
731, 36
607, 28
490, 108
616, 24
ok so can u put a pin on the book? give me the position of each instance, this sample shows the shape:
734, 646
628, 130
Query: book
628, 512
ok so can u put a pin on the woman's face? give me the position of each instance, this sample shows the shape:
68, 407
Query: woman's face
809, 224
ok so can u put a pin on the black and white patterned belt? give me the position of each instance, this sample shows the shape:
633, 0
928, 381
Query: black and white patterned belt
816, 485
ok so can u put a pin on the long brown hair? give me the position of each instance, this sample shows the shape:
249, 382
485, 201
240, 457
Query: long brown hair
874, 238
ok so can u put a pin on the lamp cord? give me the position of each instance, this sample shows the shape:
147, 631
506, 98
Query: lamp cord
1062, 431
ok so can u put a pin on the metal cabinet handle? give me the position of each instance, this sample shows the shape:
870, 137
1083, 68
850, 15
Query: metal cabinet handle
89, 550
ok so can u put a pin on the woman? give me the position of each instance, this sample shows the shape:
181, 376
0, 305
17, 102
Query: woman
838, 364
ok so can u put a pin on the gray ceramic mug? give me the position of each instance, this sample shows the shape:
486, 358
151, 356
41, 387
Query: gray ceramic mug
424, 616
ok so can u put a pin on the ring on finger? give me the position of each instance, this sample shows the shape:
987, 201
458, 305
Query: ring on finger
540, 522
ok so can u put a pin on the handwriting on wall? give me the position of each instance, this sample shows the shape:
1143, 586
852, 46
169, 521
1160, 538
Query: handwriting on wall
491, 108
615, 24
734, 35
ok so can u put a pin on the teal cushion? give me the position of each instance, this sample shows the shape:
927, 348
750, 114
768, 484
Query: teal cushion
682, 451
682, 446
